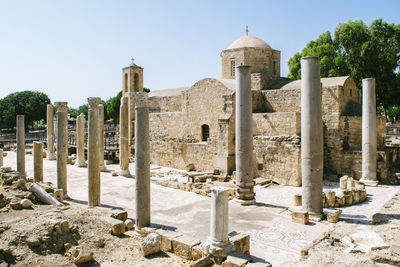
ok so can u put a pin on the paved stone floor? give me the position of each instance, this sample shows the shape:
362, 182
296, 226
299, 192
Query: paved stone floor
274, 238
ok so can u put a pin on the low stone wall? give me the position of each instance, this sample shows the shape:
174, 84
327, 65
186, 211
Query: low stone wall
279, 158
178, 153
278, 123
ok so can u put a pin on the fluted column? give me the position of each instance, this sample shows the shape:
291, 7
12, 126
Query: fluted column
80, 140
21, 145
93, 152
311, 137
62, 145
51, 154
369, 141
244, 137
123, 137
142, 160
101, 138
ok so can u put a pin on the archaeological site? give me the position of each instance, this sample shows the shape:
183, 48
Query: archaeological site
248, 169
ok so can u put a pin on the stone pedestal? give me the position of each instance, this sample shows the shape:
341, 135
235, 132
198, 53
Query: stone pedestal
21, 145
38, 161
101, 138
244, 137
369, 142
51, 154
93, 152
1, 158
80, 141
142, 161
62, 145
219, 221
123, 137
311, 137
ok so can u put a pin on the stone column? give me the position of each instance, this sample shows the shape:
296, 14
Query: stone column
38, 161
123, 137
51, 154
219, 220
80, 141
21, 145
101, 138
312, 146
142, 160
1, 158
62, 145
93, 152
369, 142
244, 137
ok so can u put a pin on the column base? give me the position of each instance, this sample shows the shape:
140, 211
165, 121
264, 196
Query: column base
124, 173
103, 168
369, 182
245, 202
81, 164
51, 157
218, 249
315, 217
139, 232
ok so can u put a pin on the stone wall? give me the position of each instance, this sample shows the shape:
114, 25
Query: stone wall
278, 158
278, 123
166, 103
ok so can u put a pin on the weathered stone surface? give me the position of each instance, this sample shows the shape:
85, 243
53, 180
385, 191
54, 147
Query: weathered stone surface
235, 260
129, 224
26, 203
300, 216
332, 215
202, 262
82, 254
33, 241
241, 242
150, 244
297, 200
182, 246
120, 215
395, 247
166, 237
330, 198
190, 167
117, 227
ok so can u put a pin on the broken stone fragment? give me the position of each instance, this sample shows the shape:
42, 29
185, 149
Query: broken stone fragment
297, 200
330, 198
129, 224
26, 204
190, 167
182, 246
332, 215
150, 244
117, 227
299, 216
81, 254
241, 242
33, 241
120, 215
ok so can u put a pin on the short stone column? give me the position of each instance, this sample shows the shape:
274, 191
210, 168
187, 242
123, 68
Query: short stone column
123, 137
142, 160
38, 161
80, 141
1, 158
51, 154
101, 138
369, 142
93, 152
62, 145
244, 137
311, 137
21, 145
219, 220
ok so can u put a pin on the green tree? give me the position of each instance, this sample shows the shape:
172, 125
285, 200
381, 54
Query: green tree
361, 52
31, 104
112, 106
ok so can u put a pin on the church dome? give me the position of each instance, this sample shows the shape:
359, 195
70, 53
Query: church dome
249, 41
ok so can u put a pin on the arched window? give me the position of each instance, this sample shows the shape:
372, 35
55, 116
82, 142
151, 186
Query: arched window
136, 83
205, 132
126, 82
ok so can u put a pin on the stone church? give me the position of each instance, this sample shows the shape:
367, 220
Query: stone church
196, 124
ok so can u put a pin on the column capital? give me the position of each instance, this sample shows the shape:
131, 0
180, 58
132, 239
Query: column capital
93, 101
61, 106
141, 100
220, 190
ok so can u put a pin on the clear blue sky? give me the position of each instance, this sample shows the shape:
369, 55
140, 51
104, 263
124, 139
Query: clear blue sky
75, 49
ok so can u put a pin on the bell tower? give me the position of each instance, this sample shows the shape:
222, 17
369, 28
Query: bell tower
132, 82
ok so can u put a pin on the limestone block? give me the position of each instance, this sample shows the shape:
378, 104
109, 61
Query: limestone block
356, 196
166, 237
340, 201
324, 203
395, 247
82, 254
117, 227
235, 260
297, 200
120, 215
332, 215
350, 183
182, 246
363, 195
343, 182
300, 216
330, 198
359, 185
33, 241
129, 224
150, 244
203, 262
197, 252
58, 194
241, 242
348, 197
